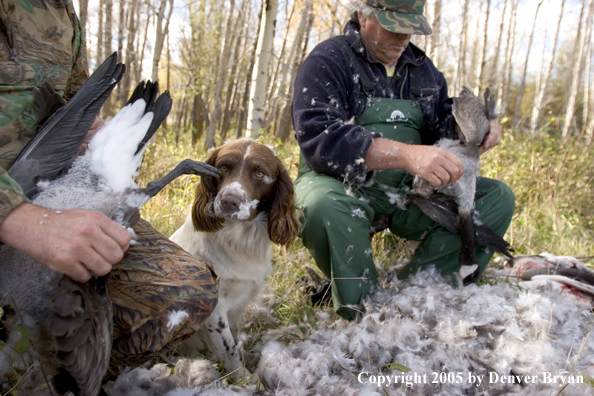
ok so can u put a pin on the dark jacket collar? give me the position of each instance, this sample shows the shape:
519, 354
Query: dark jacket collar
412, 54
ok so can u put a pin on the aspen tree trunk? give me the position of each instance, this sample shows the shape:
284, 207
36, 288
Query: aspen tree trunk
121, 32
160, 33
243, 114
121, 29
459, 72
107, 28
260, 72
276, 98
242, 49
539, 77
587, 60
470, 80
275, 91
573, 91
493, 77
480, 82
199, 111
286, 123
99, 51
222, 68
200, 114
589, 128
130, 55
517, 119
239, 38
141, 52
282, 61
287, 79
546, 78
107, 109
435, 37
509, 52
82, 16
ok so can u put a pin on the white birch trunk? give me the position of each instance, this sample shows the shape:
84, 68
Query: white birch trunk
459, 72
435, 37
517, 119
160, 33
509, 51
481, 74
546, 78
107, 34
99, 52
222, 68
575, 75
493, 77
476, 50
587, 60
260, 72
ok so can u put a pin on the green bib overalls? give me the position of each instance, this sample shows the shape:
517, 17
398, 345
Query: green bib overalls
336, 223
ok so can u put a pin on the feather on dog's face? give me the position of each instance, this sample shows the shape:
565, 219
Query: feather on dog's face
252, 180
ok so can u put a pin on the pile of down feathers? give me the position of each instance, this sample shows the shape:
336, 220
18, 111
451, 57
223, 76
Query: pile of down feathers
419, 337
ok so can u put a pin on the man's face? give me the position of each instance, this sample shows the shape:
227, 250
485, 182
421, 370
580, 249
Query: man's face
383, 44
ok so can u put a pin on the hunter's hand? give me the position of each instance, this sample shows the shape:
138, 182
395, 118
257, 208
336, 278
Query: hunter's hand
74, 242
433, 164
493, 139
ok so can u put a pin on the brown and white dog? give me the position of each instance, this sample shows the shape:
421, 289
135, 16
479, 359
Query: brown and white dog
234, 219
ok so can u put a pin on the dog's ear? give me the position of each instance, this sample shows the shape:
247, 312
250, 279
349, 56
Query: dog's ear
283, 225
203, 216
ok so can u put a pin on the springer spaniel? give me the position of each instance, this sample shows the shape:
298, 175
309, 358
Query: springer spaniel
234, 219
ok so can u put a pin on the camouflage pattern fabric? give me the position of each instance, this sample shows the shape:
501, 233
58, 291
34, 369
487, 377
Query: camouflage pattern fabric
40, 40
11, 194
155, 279
401, 16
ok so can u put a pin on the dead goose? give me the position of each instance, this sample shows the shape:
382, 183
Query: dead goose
452, 205
71, 322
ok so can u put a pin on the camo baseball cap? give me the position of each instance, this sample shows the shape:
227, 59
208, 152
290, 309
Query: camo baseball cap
401, 16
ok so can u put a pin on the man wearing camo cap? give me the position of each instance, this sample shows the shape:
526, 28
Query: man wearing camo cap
368, 106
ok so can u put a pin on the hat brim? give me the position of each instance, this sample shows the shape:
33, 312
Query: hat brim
397, 22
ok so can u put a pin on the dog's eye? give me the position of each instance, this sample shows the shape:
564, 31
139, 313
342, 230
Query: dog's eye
259, 174
223, 168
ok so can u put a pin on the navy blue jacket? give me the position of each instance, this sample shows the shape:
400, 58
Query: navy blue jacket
328, 97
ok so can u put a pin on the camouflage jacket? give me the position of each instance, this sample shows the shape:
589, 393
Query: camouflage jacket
40, 40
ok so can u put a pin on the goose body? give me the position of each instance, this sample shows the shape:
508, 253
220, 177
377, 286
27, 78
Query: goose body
452, 205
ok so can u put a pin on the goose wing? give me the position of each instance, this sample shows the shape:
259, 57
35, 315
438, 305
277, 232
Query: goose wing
56, 144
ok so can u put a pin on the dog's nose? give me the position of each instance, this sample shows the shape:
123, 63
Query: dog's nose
230, 203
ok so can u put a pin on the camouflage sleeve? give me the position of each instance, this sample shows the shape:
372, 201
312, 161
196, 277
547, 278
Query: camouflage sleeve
11, 195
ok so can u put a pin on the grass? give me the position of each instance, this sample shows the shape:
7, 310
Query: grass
554, 185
